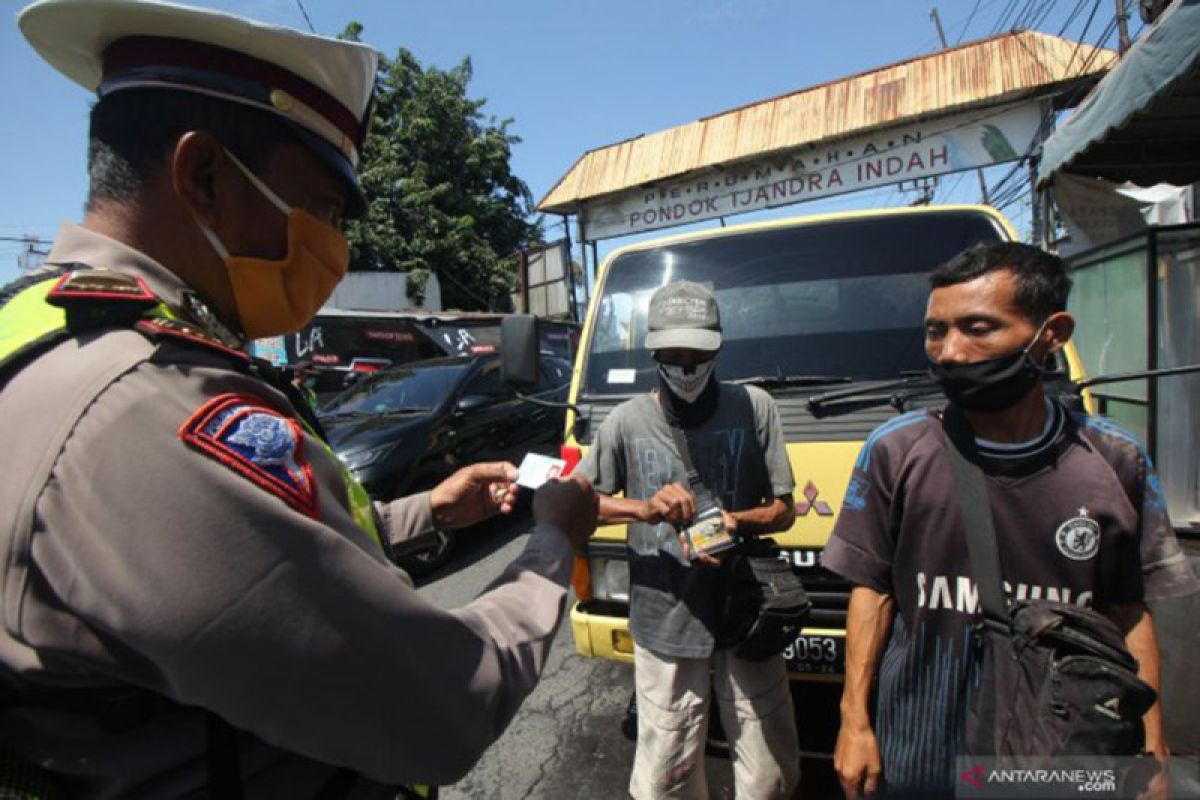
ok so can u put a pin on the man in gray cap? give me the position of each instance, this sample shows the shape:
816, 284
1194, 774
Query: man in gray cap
735, 441
197, 597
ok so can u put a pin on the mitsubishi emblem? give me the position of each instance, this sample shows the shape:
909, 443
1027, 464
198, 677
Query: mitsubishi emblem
810, 501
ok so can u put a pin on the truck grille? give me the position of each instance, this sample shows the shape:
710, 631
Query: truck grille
830, 595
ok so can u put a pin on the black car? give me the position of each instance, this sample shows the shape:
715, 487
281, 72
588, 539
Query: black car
405, 429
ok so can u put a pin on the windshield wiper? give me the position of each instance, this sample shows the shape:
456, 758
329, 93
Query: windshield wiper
894, 393
784, 381
342, 414
362, 413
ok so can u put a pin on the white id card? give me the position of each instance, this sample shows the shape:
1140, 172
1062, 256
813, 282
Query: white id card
536, 469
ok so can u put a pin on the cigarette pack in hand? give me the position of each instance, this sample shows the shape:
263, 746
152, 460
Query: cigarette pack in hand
707, 535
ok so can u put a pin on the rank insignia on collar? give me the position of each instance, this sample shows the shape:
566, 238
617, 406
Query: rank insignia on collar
179, 329
96, 284
257, 442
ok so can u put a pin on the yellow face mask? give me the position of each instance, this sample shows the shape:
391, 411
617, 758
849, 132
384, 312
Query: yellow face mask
281, 296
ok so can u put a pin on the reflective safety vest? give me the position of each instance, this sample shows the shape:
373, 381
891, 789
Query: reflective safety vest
38, 312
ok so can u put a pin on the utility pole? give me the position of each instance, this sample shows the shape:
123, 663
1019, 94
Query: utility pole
1039, 233
35, 252
1122, 26
937, 21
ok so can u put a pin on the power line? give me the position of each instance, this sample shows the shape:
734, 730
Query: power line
1005, 191
967, 24
1021, 20
1039, 20
26, 239
1001, 23
1071, 18
306, 19
1082, 37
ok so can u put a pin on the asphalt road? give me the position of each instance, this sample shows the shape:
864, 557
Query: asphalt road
567, 740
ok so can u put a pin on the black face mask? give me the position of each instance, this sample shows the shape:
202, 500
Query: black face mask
992, 385
683, 414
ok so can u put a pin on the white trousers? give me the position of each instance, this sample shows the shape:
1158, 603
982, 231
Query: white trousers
755, 704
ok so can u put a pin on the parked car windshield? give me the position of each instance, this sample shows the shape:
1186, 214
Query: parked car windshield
836, 300
400, 389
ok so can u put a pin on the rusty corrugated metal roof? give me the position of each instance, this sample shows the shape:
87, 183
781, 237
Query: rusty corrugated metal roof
987, 72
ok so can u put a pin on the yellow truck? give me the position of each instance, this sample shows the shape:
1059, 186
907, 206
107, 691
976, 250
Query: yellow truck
825, 313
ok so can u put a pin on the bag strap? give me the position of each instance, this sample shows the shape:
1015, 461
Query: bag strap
685, 454
977, 516
701, 492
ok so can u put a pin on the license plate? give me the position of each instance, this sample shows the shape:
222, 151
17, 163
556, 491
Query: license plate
813, 654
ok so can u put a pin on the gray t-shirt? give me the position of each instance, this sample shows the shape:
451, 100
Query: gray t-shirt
740, 455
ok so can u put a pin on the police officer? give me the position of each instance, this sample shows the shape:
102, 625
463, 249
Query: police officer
195, 596
303, 379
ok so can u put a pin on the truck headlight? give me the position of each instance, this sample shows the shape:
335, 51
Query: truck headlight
610, 578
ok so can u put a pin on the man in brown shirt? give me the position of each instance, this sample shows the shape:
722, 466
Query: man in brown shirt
196, 599
1078, 511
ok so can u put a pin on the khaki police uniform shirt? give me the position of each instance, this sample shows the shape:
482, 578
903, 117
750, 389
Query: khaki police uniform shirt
130, 556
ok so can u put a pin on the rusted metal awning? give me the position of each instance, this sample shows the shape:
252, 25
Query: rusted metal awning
1142, 122
986, 73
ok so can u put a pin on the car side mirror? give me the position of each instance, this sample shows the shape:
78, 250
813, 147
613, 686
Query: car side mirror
469, 403
519, 352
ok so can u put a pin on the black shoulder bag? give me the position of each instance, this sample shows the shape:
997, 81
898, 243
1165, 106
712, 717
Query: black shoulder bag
1055, 678
765, 603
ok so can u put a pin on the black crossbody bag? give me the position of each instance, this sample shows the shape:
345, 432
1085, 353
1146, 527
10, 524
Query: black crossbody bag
765, 603
1055, 678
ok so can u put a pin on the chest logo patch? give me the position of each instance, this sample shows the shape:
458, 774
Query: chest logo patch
257, 442
1079, 537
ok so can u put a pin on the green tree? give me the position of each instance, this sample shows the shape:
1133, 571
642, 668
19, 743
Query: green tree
442, 197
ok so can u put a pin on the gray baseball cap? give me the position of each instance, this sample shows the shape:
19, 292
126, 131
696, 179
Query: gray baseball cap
683, 314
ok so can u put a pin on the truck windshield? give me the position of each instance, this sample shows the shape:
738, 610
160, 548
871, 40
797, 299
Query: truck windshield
834, 300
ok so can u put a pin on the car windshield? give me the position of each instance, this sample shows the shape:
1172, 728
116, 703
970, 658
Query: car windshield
398, 390
804, 305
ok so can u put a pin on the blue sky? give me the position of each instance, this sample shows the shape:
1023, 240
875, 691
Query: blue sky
573, 75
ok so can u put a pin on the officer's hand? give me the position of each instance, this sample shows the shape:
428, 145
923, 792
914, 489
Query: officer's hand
569, 505
473, 494
857, 763
672, 503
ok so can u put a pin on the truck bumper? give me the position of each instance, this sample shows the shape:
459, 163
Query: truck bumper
601, 630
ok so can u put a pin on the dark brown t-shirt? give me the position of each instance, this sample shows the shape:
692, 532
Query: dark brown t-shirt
1079, 516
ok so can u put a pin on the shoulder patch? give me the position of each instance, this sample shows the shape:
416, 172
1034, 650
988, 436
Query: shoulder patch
158, 328
257, 442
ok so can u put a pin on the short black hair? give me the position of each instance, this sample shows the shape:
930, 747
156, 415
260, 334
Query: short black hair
133, 132
1042, 282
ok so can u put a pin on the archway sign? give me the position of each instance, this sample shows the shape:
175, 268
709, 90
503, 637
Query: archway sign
923, 150
982, 103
